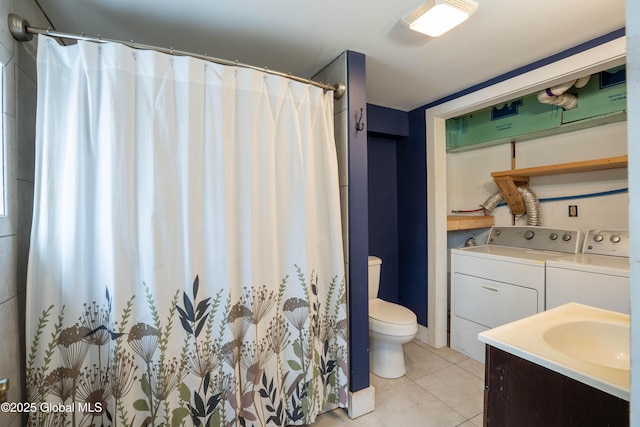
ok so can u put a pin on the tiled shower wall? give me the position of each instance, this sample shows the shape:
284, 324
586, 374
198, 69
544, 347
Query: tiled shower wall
333, 73
18, 114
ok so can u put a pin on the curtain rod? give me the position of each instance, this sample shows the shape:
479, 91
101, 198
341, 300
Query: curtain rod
22, 31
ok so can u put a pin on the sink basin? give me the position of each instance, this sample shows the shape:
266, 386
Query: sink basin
587, 344
598, 342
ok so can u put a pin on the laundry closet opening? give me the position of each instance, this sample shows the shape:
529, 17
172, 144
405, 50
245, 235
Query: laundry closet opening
537, 76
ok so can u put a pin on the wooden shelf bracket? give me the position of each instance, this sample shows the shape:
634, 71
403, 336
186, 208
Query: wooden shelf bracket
508, 186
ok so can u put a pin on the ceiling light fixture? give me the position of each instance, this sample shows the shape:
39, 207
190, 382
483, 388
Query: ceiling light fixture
436, 17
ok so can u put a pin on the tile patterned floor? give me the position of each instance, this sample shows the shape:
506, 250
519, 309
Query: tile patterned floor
441, 388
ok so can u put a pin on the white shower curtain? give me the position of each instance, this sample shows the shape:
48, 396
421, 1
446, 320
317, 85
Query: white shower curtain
186, 262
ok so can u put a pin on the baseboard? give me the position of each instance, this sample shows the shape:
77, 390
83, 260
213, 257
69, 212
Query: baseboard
423, 334
362, 402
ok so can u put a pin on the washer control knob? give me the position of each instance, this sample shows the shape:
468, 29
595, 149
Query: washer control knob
598, 238
528, 235
553, 236
615, 238
566, 237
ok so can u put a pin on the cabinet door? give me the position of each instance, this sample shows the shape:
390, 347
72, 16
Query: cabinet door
521, 393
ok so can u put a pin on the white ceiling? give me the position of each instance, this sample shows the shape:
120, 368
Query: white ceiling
404, 69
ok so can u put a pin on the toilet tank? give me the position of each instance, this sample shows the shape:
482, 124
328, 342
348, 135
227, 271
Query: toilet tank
374, 276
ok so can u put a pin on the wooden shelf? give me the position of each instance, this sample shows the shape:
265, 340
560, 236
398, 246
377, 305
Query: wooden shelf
461, 222
562, 168
508, 181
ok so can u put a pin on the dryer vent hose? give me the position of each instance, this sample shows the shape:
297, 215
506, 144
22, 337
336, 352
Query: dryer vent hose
531, 205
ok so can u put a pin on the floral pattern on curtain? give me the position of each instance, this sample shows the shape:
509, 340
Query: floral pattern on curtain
186, 262
217, 383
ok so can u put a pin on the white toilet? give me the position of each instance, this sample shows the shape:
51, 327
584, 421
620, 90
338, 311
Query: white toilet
390, 326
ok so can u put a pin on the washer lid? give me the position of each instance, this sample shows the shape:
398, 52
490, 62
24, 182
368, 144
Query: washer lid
509, 254
589, 263
387, 312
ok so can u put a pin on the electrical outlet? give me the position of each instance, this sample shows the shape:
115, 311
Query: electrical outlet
573, 210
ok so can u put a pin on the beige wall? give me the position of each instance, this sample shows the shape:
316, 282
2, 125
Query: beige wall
18, 110
469, 181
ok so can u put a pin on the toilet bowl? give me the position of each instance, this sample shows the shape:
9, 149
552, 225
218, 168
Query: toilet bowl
390, 326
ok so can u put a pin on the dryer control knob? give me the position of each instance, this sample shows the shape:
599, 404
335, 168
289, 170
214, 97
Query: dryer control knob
553, 236
528, 235
566, 237
615, 238
598, 238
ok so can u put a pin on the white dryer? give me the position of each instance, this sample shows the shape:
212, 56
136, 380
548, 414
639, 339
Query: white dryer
501, 281
599, 276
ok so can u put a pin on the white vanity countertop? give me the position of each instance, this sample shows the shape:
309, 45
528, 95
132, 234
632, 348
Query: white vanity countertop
588, 344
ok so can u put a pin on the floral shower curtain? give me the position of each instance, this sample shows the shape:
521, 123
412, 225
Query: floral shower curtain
186, 262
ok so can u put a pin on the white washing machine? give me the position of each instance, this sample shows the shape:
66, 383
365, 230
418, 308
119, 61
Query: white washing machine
599, 276
502, 281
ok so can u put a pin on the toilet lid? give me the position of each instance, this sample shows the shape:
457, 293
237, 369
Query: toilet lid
383, 311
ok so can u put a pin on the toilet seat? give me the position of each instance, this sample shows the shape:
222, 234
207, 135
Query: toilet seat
391, 319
